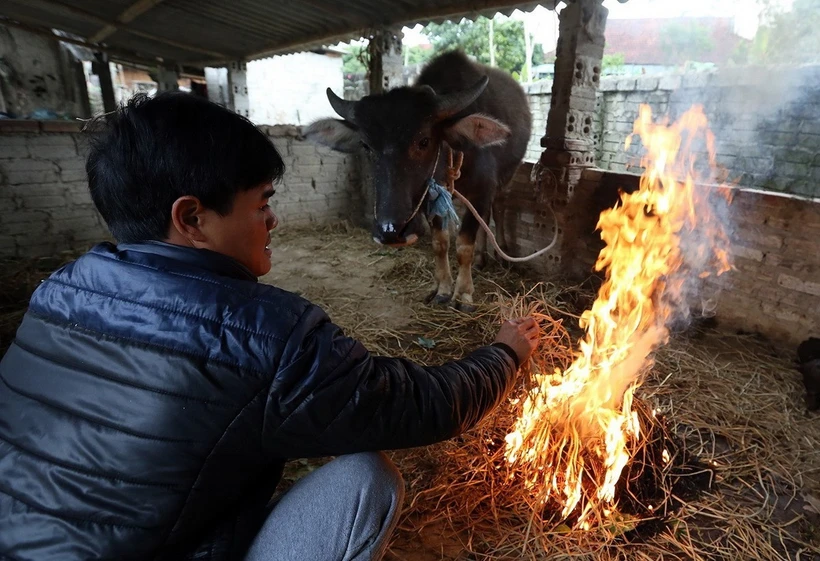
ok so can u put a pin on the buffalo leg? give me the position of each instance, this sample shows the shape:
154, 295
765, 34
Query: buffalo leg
465, 250
465, 245
480, 254
443, 289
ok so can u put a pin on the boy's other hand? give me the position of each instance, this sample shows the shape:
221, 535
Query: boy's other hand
521, 335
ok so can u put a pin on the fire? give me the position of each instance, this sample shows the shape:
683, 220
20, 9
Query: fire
573, 437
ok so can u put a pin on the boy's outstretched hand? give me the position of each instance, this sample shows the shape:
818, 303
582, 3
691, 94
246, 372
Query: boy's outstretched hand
521, 335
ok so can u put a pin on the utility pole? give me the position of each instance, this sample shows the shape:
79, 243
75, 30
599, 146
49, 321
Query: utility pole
528, 48
492, 42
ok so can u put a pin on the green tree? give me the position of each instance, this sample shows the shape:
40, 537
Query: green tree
788, 37
473, 37
538, 56
353, 60
612, 63
417, 55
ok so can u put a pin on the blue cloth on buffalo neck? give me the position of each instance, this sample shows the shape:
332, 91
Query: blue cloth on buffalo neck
440, 203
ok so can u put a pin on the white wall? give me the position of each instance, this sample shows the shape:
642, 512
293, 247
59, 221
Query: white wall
290, 89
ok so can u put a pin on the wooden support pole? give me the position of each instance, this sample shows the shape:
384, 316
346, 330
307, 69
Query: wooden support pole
101, 68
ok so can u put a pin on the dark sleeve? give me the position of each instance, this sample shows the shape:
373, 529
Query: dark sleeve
331, 396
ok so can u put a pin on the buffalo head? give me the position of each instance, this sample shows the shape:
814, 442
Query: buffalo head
401, 133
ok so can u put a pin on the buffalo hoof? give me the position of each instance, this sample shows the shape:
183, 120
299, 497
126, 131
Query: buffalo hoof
438, 299
465, 307
480, 261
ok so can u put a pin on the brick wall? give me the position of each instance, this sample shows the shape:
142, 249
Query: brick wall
766, 121
775, 248
45, 206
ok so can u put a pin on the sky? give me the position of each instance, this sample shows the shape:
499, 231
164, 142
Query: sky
544, 23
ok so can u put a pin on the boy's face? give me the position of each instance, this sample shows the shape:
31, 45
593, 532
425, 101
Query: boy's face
244, 233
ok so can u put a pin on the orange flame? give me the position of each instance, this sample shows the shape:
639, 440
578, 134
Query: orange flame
573, 437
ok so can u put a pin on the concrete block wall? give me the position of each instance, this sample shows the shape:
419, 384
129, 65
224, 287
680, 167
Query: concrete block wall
539, 96
45, 206
319, 185
766, 121
527, 218
775, 248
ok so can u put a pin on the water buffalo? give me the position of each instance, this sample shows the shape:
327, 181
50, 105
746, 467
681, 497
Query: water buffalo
405, 133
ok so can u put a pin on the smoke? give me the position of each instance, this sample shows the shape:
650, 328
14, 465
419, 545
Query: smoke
765, 127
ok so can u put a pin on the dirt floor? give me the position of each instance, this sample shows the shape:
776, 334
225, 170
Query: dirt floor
736, 401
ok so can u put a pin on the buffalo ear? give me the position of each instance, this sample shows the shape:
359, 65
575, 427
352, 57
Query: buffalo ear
480, 130
334, 133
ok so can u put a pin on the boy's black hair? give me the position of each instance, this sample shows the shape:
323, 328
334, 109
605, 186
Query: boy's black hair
154, 150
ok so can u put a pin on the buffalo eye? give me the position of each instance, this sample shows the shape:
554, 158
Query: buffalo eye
365, 146
424, 143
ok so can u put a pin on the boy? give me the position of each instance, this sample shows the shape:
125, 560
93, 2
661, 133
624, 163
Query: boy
155, 389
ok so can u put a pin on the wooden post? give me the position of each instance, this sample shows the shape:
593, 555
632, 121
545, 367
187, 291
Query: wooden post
167, 80
100, 67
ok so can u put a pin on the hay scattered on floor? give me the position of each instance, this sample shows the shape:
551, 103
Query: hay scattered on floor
18, 279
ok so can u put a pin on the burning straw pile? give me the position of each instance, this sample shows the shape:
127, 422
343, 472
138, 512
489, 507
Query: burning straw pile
738, 493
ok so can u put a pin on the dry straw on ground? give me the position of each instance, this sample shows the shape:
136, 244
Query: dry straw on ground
18, 279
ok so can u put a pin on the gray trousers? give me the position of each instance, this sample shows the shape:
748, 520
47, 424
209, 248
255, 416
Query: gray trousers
344, 511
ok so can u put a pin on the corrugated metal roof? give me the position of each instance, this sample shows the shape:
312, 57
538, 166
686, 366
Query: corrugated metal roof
213, 32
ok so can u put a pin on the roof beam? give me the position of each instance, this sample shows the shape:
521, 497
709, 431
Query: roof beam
337, 13
117, 55
88, 16
127, 16
44, 29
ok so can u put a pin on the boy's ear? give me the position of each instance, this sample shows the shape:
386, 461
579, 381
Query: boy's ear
187, 215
